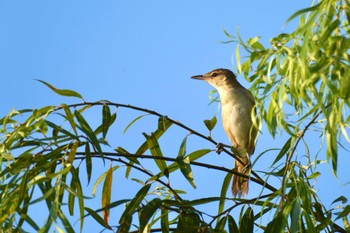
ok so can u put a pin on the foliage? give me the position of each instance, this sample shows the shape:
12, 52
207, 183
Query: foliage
302, 84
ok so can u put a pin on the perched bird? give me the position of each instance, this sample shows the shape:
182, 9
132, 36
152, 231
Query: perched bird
237, 105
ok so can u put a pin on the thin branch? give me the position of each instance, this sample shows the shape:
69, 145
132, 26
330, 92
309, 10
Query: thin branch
199, 164
208, 138
292, 151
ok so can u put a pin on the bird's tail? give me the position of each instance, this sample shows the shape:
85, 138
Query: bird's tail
240, 185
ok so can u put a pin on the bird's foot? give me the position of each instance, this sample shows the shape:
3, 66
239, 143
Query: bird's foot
248, 166
219, 147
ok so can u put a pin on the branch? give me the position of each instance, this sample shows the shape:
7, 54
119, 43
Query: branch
151, 112
199, 164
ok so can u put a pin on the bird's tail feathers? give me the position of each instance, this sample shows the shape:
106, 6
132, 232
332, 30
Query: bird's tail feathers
240, 185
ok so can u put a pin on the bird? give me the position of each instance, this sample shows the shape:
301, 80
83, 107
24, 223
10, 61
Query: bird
237, 113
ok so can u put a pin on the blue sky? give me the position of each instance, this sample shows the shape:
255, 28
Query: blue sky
135, 52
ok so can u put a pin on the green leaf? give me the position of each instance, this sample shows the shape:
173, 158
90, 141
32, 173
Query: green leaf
296, 14
247, 222
175, 166
283, 151
72, 152
210, 124
153, 146
88, 131
164, 221
100, 179
133, 121
220, 226
238, 60
128, 156
107, 193
131, 207
97, 218
69, 117
148, 211
88, 162
182, 150
106, 119
232, 225
342, 199
76, 185
224, 188
277, 225
188, 222
62, 92
184, 164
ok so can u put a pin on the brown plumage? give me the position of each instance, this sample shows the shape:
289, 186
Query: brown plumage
237, 107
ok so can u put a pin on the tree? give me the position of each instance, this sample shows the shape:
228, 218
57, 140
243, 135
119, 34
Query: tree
301, 83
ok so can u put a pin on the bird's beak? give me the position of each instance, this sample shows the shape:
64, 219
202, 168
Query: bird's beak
199, 77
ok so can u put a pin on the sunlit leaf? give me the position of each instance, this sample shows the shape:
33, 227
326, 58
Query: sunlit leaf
63, 92
88, 131
133, 121
185, 167
106, 194
210, 124
154, 147
69, 117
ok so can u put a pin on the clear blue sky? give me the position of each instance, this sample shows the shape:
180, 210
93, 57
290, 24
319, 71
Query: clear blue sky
135, 52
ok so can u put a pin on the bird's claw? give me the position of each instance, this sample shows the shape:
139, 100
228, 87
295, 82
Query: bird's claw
219, 148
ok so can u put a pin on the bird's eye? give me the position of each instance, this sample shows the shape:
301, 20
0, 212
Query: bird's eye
214, 74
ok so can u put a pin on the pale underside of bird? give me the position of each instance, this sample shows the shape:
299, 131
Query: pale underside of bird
237, 111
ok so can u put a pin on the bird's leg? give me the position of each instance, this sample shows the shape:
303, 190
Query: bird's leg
220, 146
248, 165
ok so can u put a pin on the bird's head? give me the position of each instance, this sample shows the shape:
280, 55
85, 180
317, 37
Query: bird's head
219, 78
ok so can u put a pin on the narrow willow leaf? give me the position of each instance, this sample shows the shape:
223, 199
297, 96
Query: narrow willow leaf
67, 226
188, 222
185, 168
153, 146
232, 225
342, 199
283, 151
62, 92
97, 218
164, 221
148, 211
247, 222
238, 59
182, 150
296, 14
69, 117
133, 121
106, 194
88, 131
72, 152
106, 119
79, 194
100, 179
220, 226
131, 207
128, 156
295, 217
224, 188
175, 166
88, 162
